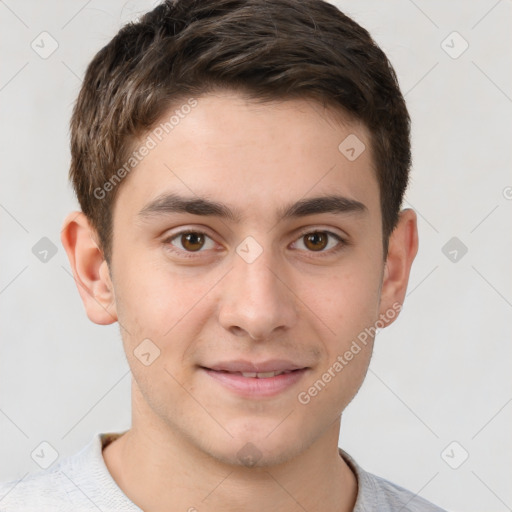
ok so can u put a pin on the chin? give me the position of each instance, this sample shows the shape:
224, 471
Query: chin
256, 455
258, 444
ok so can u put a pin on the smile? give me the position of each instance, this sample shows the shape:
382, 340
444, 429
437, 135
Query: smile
256, 384
260, 375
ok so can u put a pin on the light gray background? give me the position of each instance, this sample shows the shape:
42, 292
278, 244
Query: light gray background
441, 373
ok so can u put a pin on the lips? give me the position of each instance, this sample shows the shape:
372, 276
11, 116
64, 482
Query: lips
254, 380
259, 368
265, 375
258, 375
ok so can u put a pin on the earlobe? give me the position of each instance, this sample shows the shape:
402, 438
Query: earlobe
89, 268
403, 247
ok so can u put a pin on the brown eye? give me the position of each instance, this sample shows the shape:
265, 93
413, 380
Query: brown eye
189, 244
316, 241
192, 241
323, 242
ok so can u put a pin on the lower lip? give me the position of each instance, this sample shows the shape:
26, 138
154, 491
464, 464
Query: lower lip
255, 387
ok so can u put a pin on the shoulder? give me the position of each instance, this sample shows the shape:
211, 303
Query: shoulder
43, 490
78, 482
390, 496
380, 495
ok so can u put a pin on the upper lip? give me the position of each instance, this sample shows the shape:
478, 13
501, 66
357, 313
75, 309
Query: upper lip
270, 365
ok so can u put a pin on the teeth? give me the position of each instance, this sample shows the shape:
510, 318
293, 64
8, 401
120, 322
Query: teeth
263, 375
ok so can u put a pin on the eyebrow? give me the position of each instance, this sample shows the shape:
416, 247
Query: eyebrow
167, 204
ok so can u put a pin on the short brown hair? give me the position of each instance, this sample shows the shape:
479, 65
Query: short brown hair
269, 50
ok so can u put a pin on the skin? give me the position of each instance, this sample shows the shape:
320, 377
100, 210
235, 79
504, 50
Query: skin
293, 302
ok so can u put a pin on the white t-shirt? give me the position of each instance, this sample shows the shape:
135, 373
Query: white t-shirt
82, 483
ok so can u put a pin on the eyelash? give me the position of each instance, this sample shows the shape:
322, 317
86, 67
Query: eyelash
190, 254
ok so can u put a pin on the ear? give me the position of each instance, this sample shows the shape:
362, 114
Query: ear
403, 247
90, 270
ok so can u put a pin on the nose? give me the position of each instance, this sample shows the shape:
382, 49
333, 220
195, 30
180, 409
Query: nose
257, 300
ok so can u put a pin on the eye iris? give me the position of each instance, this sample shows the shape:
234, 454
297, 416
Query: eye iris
315, 238
191, 241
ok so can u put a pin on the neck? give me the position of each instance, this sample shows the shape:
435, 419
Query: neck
160, 470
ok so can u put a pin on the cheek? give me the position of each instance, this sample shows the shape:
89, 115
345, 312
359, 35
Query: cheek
169, 310
335, 385
347, 347
349, 302
161, 314
352, 307
154, 301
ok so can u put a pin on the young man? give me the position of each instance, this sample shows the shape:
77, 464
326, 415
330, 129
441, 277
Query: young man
240, 165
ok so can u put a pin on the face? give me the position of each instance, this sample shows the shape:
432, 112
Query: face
203, 295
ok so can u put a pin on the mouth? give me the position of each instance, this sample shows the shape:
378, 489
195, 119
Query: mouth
251, 384
256, 375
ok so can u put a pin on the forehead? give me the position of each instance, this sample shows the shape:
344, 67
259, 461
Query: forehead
250, 154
